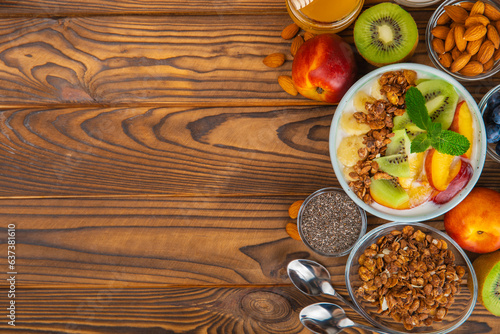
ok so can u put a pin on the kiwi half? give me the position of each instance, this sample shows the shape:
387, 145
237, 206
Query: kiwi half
385, 34
487, 268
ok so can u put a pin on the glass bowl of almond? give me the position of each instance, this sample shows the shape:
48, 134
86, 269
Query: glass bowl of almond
463, 39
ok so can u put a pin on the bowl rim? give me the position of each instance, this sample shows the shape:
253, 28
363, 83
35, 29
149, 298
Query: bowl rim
482, 108
443, 235
432, 55
405, 216
364, 221
409, 3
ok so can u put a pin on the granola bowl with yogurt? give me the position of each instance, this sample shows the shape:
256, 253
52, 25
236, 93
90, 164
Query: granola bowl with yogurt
407, 142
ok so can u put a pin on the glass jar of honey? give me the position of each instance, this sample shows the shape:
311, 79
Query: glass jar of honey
325, 16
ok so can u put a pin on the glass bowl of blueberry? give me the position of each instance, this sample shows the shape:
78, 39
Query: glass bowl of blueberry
490, 108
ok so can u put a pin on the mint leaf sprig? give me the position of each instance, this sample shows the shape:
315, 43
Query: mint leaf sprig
444, 141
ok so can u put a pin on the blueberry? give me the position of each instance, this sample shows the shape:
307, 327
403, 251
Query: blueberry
492, 133
495, 115
494, 100
497, 148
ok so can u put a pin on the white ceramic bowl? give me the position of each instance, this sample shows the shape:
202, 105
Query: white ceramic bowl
427, 210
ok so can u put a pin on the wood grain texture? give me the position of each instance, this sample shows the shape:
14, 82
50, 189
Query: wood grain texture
51, 8
156, 60
155, 241
252, 310
169, 151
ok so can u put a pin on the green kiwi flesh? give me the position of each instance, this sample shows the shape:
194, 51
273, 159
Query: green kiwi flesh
487, 268
440, 99
441, 102
400, 143
394, 165
388, 192
385, 34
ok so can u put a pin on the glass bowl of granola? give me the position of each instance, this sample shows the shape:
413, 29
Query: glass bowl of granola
411, 278
393, 165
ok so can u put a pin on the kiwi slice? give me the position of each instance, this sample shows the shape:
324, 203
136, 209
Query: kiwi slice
400, 143
395, 165
440, 99
385, 34
388, 193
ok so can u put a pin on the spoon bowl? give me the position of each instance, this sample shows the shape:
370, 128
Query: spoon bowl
328, 318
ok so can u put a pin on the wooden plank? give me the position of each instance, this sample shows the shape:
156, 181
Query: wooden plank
169, 151
147, 242
150, 7
156, 242
249, 310
155, 60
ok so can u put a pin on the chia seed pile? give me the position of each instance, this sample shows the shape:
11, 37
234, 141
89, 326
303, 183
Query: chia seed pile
331, 223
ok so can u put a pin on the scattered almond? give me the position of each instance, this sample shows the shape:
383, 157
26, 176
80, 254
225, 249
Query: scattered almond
456, 13
438, 45
475, 32
274, 60
293, 232
290, 31
286, 82
449, 43
460, 62
485, 52
293, 210
477, 8
308, 35
473, 46
443, 19
459, 37
472, 68
296, 44
440, 32
446, 59
491, 12
493, 36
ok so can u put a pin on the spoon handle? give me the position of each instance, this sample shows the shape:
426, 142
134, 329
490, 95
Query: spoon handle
368, 328
348, 303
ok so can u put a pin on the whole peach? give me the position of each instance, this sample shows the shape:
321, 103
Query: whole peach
475, 222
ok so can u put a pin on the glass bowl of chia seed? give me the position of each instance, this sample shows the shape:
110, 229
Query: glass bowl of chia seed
330, 223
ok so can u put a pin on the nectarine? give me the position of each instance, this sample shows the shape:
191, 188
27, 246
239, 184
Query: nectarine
475, 222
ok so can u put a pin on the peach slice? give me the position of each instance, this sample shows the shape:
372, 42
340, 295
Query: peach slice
462, 123
458, 182
440, 169
416, 161
419, 193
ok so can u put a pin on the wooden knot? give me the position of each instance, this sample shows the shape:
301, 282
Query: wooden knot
266, 306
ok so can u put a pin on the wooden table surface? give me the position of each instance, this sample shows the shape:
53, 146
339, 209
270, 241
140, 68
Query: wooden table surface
147, 162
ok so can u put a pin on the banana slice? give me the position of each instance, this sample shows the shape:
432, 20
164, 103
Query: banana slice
360, 100
346, 171
350, 125
376, 91
347, 152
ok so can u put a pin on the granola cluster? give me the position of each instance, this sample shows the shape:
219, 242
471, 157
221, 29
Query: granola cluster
379, 116
410, 276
